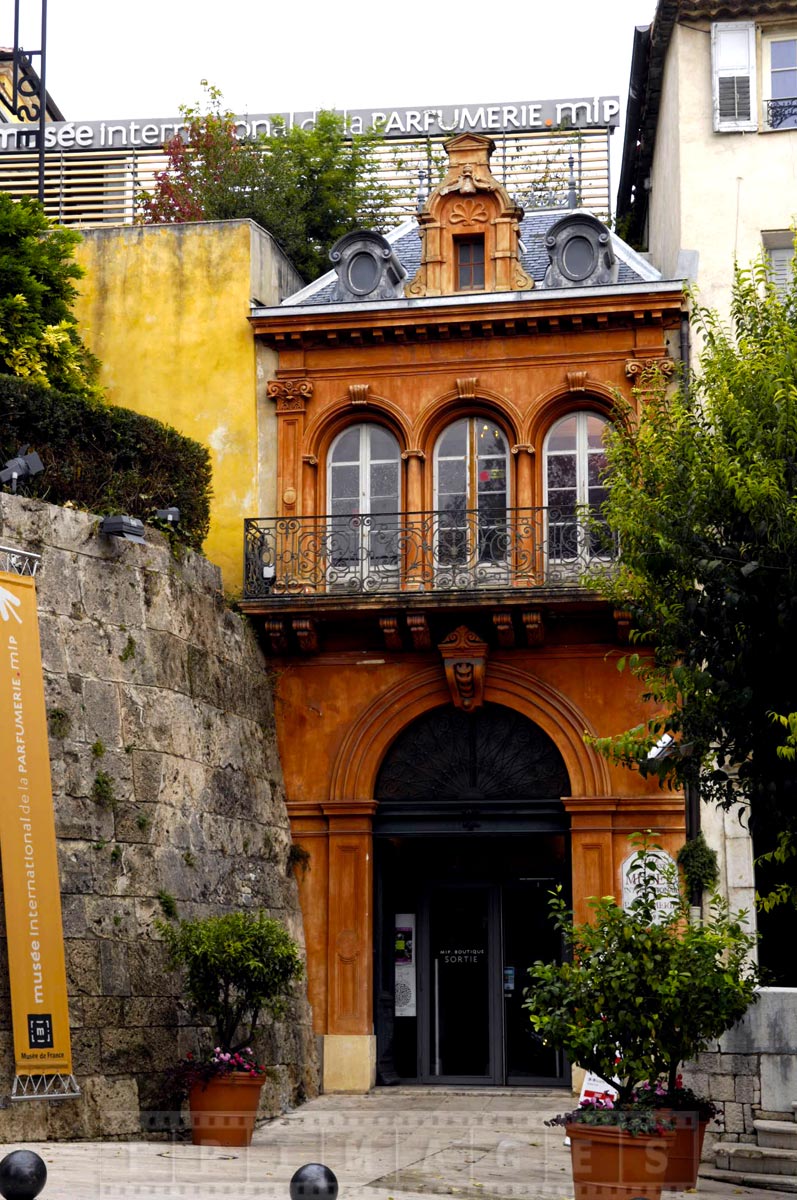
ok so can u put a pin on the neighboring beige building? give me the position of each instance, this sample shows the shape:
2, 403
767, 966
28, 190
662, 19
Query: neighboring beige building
166, 310
709, 177
709, 169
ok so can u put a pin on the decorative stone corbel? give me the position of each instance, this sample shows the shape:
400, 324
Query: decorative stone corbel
576, 381
391, 633
277, 636
505, 629
419, 631
622, 620
465, 663
535, 630
466, 388
358, 393
306, 634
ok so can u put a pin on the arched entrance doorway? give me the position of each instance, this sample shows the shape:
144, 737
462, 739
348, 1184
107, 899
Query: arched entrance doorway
470, 835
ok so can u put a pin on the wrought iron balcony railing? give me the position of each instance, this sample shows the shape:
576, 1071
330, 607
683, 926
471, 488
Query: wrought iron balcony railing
445, 551
782, 114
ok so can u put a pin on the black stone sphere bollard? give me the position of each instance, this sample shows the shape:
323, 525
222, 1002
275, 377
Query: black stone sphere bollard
22, 1175
314, 1179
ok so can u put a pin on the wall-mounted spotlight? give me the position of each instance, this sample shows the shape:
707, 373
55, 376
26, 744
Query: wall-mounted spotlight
24, 466
129, 528
172, 515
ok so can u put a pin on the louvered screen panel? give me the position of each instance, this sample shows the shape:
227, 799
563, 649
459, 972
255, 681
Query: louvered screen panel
734, 97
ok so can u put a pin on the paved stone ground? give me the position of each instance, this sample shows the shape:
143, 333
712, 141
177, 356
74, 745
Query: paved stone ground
394, 1144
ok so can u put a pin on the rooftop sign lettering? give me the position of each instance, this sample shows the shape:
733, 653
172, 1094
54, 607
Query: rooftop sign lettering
596, 112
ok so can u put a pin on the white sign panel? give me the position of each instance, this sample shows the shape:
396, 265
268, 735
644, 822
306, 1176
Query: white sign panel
581, 112
664, 881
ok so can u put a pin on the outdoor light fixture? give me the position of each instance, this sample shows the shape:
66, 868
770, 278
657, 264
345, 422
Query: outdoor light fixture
172, 515
129, 528
24, 466
664, 748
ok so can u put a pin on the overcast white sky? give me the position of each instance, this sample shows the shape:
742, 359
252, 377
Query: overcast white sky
143, 58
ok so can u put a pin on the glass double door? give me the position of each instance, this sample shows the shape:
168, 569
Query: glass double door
460, 959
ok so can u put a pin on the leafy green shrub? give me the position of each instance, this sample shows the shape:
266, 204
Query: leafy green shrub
238, 966
645, 989
105, 459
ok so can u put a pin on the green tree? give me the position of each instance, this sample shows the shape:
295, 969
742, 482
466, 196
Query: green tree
703, 498
39, 338
306, 186
643, 989
239, 966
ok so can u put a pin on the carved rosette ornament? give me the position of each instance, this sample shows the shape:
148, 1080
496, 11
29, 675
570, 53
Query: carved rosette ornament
291, 395
465, 664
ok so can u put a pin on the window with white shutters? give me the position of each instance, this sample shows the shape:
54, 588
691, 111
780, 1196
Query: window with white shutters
733, 57
781, 262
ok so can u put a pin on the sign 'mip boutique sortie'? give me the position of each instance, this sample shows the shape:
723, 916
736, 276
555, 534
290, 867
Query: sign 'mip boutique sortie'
590, 112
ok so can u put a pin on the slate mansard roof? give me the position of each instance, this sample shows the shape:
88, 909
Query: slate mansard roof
406, 243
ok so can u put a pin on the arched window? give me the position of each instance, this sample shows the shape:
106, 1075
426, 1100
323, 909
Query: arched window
471, 493
363, 490
575, 489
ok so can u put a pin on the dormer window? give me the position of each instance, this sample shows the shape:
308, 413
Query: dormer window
367, 267
581, 253
363, 273
469, 228
470, 263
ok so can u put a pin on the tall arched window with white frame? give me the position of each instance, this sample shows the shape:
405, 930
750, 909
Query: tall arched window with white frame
364, 494
575, 490
471, 502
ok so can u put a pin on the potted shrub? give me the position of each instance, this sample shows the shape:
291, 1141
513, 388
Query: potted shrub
239, 968
642, 991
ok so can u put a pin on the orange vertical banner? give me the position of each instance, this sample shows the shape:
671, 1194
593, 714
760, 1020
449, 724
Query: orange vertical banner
31, 888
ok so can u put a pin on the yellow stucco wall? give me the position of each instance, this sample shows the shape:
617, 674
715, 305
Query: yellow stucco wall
165, 309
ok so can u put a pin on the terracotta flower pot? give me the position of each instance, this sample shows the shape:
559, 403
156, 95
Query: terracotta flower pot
223, 1111
687, 1146
610, 1164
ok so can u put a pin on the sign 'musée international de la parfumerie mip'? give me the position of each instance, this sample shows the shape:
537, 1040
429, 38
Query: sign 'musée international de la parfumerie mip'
596, 112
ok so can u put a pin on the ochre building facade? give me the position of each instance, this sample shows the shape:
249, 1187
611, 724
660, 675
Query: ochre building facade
439, 653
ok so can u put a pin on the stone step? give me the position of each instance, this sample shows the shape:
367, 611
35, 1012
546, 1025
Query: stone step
753, 1160
781, 1135
736, 1179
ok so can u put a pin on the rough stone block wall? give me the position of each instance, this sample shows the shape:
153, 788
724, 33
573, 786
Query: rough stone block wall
166, 783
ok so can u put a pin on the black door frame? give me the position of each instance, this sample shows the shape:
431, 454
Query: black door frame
425, 984
384, 979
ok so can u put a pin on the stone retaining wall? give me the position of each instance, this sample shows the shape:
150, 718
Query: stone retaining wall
166, 784
752, 1072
